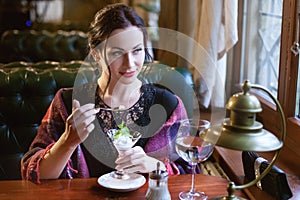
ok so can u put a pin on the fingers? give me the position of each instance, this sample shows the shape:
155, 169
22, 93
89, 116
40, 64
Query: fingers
144, 164
84, 115
85, 125
136, 168
84, 111
136, 160
129, 158
133, 153
81, 120
76, 104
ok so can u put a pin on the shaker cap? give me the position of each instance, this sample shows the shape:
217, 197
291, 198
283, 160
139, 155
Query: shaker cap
158, 174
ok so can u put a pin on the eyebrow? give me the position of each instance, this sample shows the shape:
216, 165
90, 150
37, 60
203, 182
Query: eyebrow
138, 45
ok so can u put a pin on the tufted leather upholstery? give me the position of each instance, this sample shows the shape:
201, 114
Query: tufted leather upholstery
34, 46
66, 25
28, 88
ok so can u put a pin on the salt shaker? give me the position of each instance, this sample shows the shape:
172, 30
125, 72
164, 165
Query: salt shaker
158, 185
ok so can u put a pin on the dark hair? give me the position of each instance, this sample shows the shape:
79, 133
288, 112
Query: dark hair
111, 17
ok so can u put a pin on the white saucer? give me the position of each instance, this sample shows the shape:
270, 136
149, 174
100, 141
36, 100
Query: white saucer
134, 182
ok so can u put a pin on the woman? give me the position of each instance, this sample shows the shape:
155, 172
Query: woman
74, 144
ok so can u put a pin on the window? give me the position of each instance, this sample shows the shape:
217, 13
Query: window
263, 55
46, 11
261, 44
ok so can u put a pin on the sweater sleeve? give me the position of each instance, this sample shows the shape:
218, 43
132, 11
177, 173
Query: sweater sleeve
162, 144
51, 128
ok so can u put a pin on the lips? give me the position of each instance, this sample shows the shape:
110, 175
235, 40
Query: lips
127, 74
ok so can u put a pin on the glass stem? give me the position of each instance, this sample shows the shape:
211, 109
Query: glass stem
193, 189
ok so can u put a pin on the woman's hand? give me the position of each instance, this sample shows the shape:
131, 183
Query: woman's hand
80, 123
136, 160
78, 126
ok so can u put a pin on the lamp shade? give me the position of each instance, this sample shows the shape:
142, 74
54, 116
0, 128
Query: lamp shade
241, 131
261, 140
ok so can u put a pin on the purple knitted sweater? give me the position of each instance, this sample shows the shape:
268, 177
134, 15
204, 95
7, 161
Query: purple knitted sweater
160, 145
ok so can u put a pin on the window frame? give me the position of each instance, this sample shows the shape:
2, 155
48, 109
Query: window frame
287, 87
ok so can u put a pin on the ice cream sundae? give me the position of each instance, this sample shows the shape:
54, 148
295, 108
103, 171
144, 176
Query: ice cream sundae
123, 139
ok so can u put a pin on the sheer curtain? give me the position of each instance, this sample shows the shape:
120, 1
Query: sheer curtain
213, 25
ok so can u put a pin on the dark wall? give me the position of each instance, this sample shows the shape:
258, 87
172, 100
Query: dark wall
83, 11
13, 15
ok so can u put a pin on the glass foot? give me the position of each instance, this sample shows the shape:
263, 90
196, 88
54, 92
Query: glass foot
120, 175
187, 195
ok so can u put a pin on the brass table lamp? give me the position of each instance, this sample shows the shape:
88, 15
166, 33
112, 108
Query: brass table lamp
242, 132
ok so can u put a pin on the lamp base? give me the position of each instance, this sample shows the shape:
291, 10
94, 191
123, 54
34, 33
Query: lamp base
230, 196
227, 198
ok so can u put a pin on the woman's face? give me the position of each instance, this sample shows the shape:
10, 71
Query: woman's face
125, 54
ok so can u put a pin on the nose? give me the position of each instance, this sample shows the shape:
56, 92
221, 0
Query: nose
129, 59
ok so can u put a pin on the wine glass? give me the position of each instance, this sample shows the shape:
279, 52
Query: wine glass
193, 149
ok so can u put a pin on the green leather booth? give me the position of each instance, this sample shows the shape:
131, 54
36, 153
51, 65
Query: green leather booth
28, 88
40, 45
66, 25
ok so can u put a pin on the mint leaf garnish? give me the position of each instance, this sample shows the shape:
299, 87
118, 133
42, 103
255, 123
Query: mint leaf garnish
122, 131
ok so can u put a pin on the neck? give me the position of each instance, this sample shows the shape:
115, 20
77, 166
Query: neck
120, 94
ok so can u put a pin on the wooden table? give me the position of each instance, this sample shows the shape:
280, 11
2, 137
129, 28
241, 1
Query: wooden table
89, 189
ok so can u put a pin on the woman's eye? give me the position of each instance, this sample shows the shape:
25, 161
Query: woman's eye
136, 51
116, 53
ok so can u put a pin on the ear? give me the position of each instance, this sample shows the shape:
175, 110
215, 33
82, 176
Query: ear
95, 54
